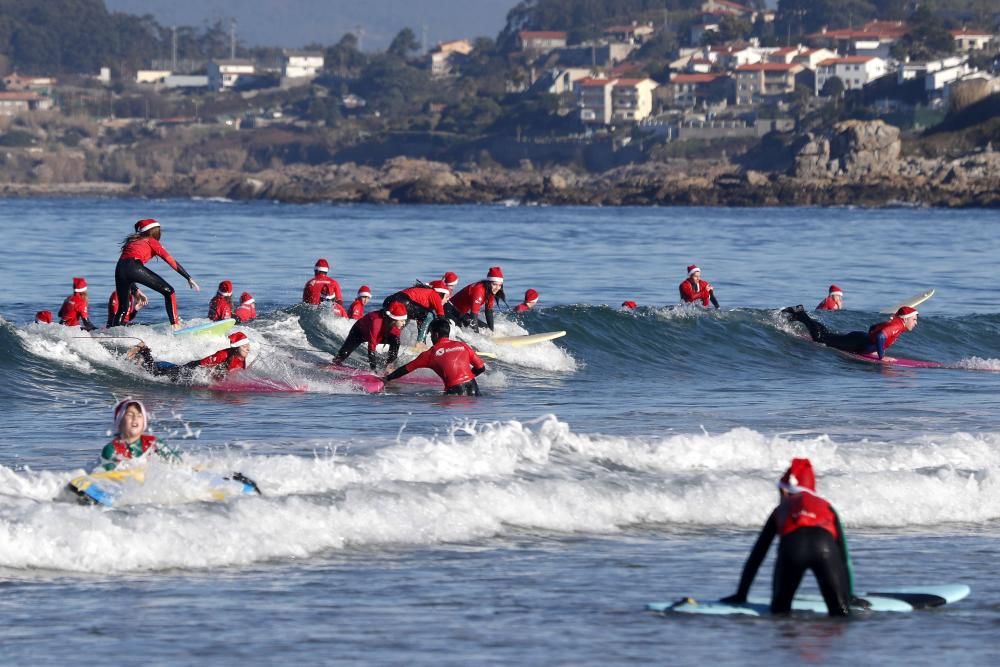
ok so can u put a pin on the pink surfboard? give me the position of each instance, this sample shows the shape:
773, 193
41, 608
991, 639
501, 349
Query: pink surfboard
412, 378
872, 358
254, 386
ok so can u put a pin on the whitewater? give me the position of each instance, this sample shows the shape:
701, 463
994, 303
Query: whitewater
632, 460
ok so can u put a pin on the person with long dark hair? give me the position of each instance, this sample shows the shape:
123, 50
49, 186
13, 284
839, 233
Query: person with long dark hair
483, 295
137, 249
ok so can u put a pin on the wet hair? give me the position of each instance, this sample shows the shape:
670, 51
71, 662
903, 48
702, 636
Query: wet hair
439, 328
154, 232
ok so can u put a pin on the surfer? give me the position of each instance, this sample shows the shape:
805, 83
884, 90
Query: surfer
629, 305
43, 317
811, 538
378, 327
530, 299
421, 302
223, 362
450, 278
131, 440
695, 289
834, 300
464, 307
455, 363
321, 286
136, 302
221, 305
137, 249
877, 339
247, 310
357, 309
74, 311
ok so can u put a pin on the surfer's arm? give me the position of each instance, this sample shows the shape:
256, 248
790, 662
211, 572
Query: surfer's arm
87, 324
489, 318
756, 557
880, 345
711, 296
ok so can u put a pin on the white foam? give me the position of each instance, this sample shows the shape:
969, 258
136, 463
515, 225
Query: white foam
979, 364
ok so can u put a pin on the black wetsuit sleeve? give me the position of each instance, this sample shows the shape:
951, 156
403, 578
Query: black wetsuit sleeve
489, 318
372, 359
845, 553
180, 270
396, 374
87, 324
715, 302
478, 371
393, 350
757, 554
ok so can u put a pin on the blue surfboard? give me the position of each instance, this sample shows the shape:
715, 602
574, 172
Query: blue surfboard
208, 329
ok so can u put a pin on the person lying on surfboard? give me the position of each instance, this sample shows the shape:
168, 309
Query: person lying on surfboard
455, 363
221, 305
694, 289
464, 306
222, 363
811, 538
530, 299
834, 299
877, 339
357, 309
378, 327
131, 440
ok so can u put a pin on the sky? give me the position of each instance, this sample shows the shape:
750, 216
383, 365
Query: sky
295, 23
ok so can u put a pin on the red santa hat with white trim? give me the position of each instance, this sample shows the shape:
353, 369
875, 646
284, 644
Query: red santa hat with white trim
440, 287
495, 275
145, 225
122, 406
79, 284
246, 298
322, 265
530, 296
906, 312
799, 477
450, 278
238, 339
365, 290
836, 291
396, 311
692, 269
226, 288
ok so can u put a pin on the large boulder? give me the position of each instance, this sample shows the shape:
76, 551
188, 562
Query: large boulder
854, 149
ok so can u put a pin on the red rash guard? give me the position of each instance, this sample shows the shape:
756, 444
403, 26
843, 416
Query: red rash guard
73, 311
145, 248
220, 308
377, 330
113, 308
452, 360
228, 358
245, 312
427, 298
891, 329
470, 299
357, 310
802, 510
321, 285
339, 310
689, 294
828, 304
521, 307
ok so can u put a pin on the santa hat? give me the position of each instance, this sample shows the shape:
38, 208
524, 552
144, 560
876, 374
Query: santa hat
530, 296
692, 268
145, 225
226, 288
495, 275
322, 265
365, 290
43, 317
450, 279
396, 311
799, 477
246, 298
123, 406
836, 291
440, 287
79, 284
906, 312
238, 339
631, 305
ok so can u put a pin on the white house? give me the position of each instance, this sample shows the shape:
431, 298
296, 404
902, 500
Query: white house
594, 99
151, 75
225, 73
301, 64
632, 99
972, 40
538, 42
854, 71
446, 54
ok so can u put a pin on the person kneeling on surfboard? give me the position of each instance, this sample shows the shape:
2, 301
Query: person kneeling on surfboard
694, 289
74, 311
877, 339
833, 301
455, 363
464, 307
379, 327
530, 299
223, 362
811, 538
131, 440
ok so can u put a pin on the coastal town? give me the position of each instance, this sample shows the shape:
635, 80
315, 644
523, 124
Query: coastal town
708, 83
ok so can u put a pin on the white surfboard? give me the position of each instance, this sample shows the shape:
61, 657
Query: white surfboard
529, 339
912, 302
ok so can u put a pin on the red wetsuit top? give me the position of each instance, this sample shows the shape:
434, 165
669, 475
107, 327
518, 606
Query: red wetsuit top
73, 311
228, 359
113, 307
339, 310
220, 308
145, 248
452, 360
427, 298
357, 310
321, 285
828, 304
891, 329
689, 294
803, 510
245, 312
471, 298
521, 307
376, 330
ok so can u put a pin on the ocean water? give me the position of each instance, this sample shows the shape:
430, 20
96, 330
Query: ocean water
631, 461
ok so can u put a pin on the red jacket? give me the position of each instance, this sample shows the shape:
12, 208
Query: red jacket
521, 307
452, 360
145, 248
228, 359
801, 510
357, 310
828, 304
220, 308
377, 329
74, 311
471, 298
892, 330
427, 298
245, 312
339, 310
689, 294
321, 285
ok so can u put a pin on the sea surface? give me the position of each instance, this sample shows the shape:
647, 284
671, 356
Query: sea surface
633, 460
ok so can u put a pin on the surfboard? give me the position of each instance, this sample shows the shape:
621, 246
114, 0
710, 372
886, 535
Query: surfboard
256, 385
912, 302
105, 487
529, 339
208, 329
905, 599
872, 358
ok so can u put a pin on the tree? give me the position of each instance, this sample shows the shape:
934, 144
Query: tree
833, 87
404, 43
927, 39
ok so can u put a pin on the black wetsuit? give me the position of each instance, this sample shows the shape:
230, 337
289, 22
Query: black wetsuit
470, 388
468, 320
128, 272
857, 342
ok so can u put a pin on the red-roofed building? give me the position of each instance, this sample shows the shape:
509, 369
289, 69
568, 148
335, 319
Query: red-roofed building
872, 39
594, 98
538, 42
689, 90
632, 100
967, 39
757, 81
853, 71
13, 103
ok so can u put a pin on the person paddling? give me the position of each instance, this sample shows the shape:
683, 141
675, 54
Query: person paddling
321, 286
455, 363
75, 309
222, 363
376, 328
221, 305
877, 339
834, 299
137, 250
811, 538
530, 299
694, 289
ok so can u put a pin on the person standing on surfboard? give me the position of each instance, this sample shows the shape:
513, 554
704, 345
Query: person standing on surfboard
464, 307
357, 309
811, 538
834, 299
137, 250
136, 302
131, 440
422, 302
221, 305
694, 289
247, 310
321, 286
378, 327
455, 363
530, 299
876, 340
74, 311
